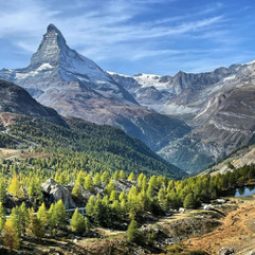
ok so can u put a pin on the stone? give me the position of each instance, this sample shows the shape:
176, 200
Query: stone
58, 191
226, 251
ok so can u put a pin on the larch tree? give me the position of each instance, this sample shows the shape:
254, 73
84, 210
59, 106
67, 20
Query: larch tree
42, 215
2, 217
77, 223
11, 237
132, 231
23, 218
14, 187
60, 212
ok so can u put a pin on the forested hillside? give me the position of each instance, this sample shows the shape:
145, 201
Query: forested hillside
38, 196
104, 144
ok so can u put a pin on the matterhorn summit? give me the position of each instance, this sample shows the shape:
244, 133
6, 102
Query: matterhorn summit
51, 49
75, 86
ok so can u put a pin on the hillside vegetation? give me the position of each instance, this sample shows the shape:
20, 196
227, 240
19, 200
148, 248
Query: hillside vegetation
107, 145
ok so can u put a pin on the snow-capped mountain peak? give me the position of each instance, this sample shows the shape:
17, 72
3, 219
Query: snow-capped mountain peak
54, 51
55, 61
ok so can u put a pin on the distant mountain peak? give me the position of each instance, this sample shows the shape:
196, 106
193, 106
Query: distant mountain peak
52, 28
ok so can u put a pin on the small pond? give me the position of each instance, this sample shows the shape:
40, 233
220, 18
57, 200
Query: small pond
245, 191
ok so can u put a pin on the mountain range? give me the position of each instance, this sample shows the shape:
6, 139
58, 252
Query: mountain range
218, 106
191, 120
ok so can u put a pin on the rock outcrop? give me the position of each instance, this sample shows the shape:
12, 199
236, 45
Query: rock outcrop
58, 192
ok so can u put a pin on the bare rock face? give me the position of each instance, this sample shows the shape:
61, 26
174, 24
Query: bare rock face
224, 125
58, 192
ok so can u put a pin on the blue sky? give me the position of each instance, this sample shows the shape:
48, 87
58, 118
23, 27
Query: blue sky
134, 36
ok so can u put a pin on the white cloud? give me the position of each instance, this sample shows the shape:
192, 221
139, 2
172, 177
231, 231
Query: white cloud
110, 29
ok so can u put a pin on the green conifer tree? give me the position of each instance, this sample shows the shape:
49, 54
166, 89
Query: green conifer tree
132, 231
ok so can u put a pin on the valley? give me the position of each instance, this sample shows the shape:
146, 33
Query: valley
180, 117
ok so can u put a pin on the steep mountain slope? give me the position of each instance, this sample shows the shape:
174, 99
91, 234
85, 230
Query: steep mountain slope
75, 86
25, 123
16, 100
243, 157
218, 105
225, 124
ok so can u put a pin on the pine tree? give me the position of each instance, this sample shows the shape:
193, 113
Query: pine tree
60, 212
132, 231
190, 202
14, 187
52, 219
76, 191
122, 175
90, 206
87, 224
78, 224
11, 237
31, 190
88, 183
15, 216
2, 189
100, 215
115, 175
35, 227
43, 216
110, 187
105, 177
113, 195
131, 177
2, 217
97, 179
162, 199
23, 218
122, 196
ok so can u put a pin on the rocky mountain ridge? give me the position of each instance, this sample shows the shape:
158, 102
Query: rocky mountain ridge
75, 86
217, 105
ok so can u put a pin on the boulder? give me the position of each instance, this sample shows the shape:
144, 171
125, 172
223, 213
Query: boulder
226, 251
58, 191
181, 210
220, 201
208, 207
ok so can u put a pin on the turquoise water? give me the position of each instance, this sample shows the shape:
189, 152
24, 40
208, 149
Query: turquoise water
245, 191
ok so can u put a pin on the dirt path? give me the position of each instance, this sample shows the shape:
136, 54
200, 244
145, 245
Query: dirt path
237, 231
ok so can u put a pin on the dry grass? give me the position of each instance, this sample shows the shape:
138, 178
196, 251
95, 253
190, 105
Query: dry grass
237, 231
